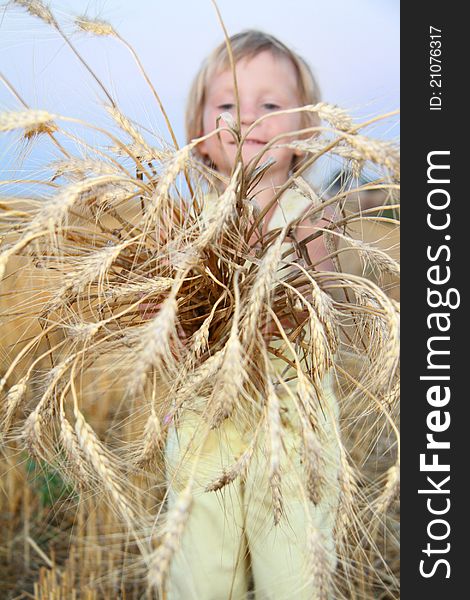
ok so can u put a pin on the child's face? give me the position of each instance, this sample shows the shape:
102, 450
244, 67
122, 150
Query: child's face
266, 84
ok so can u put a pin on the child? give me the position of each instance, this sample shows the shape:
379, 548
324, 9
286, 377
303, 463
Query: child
231, 532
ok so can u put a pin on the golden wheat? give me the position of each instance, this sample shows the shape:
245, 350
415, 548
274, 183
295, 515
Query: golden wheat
142, 308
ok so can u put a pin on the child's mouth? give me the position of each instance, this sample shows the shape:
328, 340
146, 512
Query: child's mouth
253, 143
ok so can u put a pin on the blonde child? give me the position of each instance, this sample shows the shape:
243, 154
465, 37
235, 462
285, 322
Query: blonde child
230, 537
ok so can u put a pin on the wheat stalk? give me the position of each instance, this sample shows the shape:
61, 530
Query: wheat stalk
266, 274
25, 119
80, 166
349, 494
335, 115
193, 381
274, 427
92, 267
314, 463
159, 561
75, 456
102, 467
390, 490
126, 125
381, 153
153, 344
95, 26
225, 209
160, 197
375, 256
37, 9
320, 564
239, 468
145, 154
230, 380
229, 384
149, 286
308, 399
13, 400
36, 423
54, 211
152, 442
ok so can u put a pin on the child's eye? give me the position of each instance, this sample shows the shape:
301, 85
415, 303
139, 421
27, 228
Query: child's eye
271, 106
227, 106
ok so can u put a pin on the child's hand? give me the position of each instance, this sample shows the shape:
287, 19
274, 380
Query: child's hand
316, 248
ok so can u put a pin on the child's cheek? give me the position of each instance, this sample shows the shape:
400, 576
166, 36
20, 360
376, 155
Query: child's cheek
210, 120
226, 137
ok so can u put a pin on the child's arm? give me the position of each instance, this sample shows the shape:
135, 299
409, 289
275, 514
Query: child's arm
316, 248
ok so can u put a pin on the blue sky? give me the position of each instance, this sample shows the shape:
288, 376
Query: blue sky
351, 45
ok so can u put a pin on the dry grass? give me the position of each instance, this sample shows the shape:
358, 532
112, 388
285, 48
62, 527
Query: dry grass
89, 383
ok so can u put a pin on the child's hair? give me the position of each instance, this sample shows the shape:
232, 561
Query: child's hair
247, 44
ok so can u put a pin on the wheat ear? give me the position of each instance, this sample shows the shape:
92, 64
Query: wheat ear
159, 561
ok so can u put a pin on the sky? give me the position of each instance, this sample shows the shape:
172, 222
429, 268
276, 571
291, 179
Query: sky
351, 45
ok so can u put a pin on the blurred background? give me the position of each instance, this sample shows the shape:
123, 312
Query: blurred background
352, 47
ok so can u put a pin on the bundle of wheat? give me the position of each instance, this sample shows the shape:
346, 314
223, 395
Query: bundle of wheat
125, 298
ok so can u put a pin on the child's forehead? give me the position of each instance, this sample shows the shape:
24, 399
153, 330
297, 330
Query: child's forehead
270, 70
266, 61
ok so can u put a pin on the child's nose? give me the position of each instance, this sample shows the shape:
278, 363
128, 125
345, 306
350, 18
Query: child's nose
247, 115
